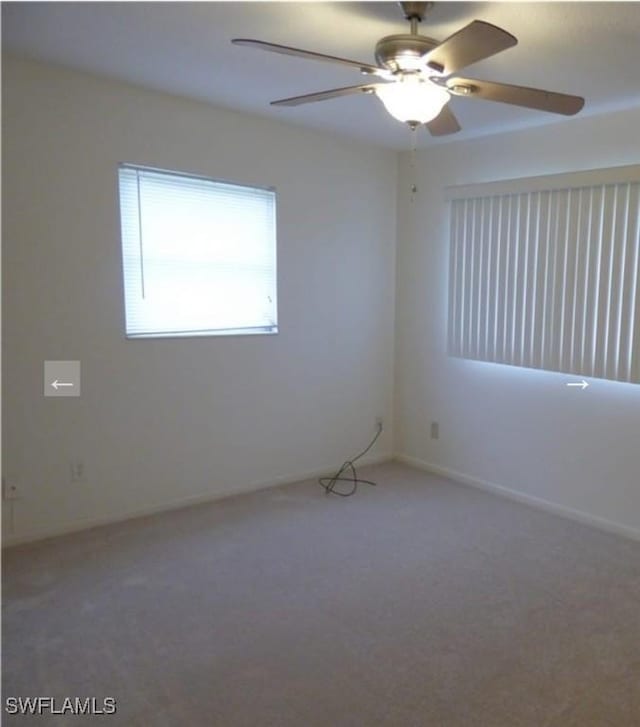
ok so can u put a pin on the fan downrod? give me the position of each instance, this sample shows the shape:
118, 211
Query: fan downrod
390, 49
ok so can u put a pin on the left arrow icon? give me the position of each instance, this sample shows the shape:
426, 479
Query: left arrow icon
61, 378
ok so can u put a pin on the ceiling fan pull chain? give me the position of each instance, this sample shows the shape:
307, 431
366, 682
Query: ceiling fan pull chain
412, 163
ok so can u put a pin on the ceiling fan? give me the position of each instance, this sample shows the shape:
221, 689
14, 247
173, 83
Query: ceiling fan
415, 74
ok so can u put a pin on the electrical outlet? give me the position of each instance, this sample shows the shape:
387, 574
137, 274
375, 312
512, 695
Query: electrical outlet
435, 430
10, 490
76, 470
379, 423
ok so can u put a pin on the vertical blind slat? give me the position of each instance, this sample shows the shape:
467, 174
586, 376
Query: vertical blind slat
633, 357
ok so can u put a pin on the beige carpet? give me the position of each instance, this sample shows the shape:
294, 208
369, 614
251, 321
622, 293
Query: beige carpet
418, 602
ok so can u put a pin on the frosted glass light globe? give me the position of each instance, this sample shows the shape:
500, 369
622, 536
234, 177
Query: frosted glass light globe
413, 100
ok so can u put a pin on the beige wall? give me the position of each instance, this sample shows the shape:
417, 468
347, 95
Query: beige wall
162, 422
519, 429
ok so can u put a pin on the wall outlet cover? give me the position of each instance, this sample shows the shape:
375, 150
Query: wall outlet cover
10, 490
76, 469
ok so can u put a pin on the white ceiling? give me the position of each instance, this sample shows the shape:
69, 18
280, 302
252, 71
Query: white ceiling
589, 49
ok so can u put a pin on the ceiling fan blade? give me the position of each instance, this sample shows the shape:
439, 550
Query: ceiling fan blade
287, 51
324, 95
445, 123
532, 98
472, 43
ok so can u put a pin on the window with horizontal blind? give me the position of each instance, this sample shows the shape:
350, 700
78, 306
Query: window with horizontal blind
199, 255
544, 273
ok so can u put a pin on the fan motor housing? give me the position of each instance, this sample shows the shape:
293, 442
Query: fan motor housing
391, 49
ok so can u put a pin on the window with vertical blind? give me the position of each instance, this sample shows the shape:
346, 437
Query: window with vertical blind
545, 273
199, 255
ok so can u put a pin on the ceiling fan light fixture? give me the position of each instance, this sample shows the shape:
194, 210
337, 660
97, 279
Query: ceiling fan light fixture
413, 100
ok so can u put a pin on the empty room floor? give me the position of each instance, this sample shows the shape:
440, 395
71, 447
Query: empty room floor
416, 602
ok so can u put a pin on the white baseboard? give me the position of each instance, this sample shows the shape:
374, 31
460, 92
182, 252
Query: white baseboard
10, 539
459, 477
579, 515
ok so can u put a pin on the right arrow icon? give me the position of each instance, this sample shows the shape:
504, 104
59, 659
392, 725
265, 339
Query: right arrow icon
582, 384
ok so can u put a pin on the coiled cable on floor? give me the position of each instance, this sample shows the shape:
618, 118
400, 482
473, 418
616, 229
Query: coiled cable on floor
329, 483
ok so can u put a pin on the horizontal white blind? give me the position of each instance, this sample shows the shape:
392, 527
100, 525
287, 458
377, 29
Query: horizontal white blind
549, 279
199, 256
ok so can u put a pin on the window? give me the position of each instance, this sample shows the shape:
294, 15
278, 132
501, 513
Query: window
544, 273
199, 255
